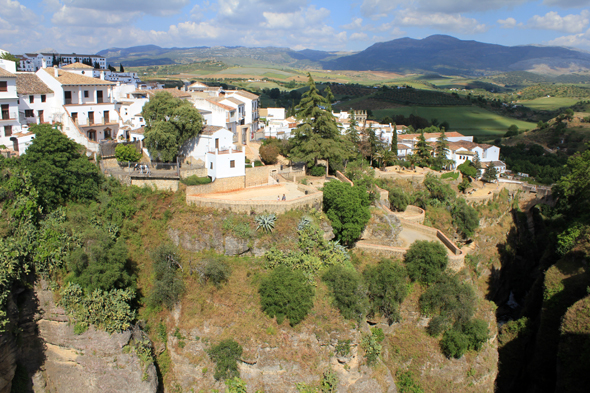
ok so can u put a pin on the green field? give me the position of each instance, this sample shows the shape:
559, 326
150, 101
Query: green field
550, 103
468, 120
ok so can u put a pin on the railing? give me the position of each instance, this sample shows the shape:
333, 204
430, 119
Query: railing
9, 115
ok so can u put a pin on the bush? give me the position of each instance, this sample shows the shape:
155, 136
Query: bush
216, 271
167, 284
454, 343
127, 153
370, 343
258, 163
426, 261
226, 355
195, 180
406, 384
465, 218
477, 332
387, 288
398, 199
318, 170
348, 209
349, 297
450, 299
286, 293
269, 154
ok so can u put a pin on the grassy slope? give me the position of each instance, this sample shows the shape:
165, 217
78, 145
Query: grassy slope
549, 103
468, 120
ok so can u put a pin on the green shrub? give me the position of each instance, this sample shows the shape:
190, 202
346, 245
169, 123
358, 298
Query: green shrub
226, 355
317, 170
349, 297
387, 288
370, 344
235, 385
127, 153
348, 209
343, 347
477, 332
450, 299
438, 190
258, 163
266, 222
406, 383
216, 271
269, 154
465, 218
450, 175
426, 261
167, 283
454, 343
195, 180
286, 293
329, 382
398, 199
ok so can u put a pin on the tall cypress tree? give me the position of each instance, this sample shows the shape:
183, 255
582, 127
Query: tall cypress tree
317, 137
441, 148
394, 141
422, 150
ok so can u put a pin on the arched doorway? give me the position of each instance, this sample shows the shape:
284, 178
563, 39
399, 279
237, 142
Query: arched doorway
91, 134
14, 144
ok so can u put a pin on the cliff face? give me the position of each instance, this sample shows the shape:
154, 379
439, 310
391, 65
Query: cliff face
49, 357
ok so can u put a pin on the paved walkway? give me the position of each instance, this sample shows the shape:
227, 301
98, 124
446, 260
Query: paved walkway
265, 193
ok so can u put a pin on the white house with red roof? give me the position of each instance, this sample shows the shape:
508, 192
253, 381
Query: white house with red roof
10, 128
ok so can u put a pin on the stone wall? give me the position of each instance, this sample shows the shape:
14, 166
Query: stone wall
258, 176
200, 172
160, 183
224, 184
343, 178
412, 214
306, 202
383, 196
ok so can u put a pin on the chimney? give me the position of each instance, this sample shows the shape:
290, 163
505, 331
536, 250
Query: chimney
43, 63
101, 75
55, 72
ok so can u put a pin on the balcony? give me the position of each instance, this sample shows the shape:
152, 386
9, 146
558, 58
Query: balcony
96, 122
9, 116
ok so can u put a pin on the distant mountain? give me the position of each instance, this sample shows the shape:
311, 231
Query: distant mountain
448, 55
154, 55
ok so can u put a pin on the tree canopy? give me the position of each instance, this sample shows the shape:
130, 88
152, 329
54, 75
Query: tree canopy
348, 209
170, 122
317, 137
426, 261
59, 167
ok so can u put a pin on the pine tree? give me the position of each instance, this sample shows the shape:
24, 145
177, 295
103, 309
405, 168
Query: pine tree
121, 69
317, 137
441, 148
352, 133
329, 97
422, 150
491, 173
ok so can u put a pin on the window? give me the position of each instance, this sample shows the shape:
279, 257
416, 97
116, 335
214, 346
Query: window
7, 130
29, 113
211, 166
31, 99
3, 86
86, 94
43, 97
232, 164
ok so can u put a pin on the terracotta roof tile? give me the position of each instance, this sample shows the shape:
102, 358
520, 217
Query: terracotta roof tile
70, 79
6, 74
235, 100
78, 66
210, 130
244, 93
215, 101
28, 83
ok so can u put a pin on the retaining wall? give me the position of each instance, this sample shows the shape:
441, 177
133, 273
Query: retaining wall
258, 176
200, 172
343, 178
383, 196
219, 185
161, 183
412, 214
306, 202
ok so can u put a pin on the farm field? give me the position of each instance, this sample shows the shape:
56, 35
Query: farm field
468, 120
550, 103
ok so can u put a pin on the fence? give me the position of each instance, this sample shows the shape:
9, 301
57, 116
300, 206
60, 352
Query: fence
107, 149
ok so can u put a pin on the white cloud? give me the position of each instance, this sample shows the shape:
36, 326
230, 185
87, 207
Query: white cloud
508, 23
376, 9
70, 16
356, 23
553, 21
446, 22
251, 11
566, 3
152, 7
16, 20
581, 40
359, 37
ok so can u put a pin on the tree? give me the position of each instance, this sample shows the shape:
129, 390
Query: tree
168, 284
59, 168
170, 122
491, 173
269, 153
441, 148
346, 288
347, 207
127, 153
422, 150
512, 131
329, 97
465, 218
387, 288
121, 69
11, 57
226, 355
352, 133
286, 293
317, 137
111, 68
468, 170
394, 141
426, 261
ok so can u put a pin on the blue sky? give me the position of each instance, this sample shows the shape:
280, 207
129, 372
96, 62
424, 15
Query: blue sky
87, 26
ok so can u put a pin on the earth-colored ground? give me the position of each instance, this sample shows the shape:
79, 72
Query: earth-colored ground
265, 193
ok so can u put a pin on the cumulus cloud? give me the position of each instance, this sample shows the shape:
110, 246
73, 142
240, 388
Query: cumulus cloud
553, 21
356, 23
71, 16
152, 7
358, 36
16, 20
507, 23
581, 40
446, 22
252, 11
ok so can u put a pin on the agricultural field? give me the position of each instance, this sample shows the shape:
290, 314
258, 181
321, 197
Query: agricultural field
468, 120
549, 103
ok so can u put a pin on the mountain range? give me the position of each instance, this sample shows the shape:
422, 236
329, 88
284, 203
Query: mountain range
438, 53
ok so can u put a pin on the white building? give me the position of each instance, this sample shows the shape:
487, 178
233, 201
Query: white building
33, 62
272, 113
215, 148
36, 101
10, 129
85, 104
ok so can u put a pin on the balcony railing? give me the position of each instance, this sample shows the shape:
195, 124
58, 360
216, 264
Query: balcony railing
9, 116
96, 122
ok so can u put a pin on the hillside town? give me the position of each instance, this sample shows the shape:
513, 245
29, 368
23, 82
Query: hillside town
95, 105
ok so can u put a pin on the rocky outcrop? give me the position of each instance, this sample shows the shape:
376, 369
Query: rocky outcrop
230, 245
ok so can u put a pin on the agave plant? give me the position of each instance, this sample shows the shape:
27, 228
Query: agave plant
266, 222
303, 223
